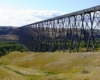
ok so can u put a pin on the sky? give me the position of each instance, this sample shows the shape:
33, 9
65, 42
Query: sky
22, 12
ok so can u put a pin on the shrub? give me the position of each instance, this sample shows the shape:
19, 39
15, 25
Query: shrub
85, 72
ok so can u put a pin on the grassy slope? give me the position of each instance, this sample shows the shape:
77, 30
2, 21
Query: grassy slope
55, 66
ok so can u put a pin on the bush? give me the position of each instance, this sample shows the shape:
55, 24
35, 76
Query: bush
85, 72
6, 47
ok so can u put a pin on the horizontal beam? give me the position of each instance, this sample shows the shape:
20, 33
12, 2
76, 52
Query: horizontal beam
96, 8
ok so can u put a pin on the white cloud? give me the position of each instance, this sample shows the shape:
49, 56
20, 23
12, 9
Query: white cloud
24, 17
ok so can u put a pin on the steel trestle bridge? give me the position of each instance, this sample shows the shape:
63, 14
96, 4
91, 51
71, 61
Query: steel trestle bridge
67, 32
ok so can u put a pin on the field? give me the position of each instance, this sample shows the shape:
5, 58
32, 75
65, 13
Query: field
50, 66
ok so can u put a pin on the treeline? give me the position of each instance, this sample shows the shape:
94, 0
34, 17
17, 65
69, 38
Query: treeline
54, 45
6, 47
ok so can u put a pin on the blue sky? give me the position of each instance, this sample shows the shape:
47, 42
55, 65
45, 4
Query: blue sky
22, 12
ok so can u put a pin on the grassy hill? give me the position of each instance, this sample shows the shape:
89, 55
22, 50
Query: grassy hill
51, 66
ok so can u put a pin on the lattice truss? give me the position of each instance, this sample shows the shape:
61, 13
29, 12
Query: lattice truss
67, 32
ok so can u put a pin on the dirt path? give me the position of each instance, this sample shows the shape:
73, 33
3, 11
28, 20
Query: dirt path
18, 73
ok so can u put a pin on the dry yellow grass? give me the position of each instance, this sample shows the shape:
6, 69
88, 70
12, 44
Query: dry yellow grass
55, 66
9, 75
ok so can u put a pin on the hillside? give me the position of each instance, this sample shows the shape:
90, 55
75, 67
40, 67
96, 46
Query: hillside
50, 39
9, 34
53, 66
